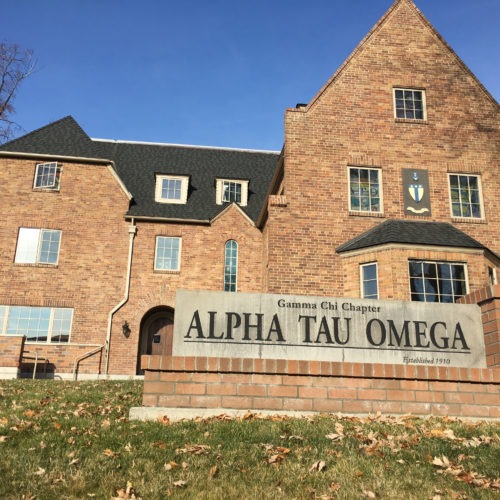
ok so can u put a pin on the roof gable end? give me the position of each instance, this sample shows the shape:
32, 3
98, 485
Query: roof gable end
412, 15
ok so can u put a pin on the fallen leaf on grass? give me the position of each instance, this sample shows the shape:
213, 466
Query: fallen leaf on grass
334, 487
3, 439
109, 453
278, 454
127, 493
368, 494
458, 472
164, 420
334, 437
196, 449
160, 445
170, 465
39, 472
180, 484
318, 466
441, 462
214, 472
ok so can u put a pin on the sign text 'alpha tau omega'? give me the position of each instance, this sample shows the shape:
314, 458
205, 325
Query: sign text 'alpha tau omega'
327, 329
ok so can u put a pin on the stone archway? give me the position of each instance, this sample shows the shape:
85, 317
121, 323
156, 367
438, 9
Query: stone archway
156, 334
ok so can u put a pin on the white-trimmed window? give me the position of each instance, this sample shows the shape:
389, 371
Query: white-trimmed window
171, 189
432, 281
230, 266
232, 190
369, 280
409, 104
37, 246
168, 253
47, 176
39, 324
365, 189
465, 196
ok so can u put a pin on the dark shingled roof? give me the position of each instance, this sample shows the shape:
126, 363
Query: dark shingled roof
137, 164
412, 233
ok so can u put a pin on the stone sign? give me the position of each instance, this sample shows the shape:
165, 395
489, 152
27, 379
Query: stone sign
247, 325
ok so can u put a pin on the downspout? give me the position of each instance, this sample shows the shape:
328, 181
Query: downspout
132, 231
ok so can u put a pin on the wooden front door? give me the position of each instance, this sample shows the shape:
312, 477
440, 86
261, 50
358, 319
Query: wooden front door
160, 336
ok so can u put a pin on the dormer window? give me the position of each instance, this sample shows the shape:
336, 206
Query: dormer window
232, 191
47, 176
171, 189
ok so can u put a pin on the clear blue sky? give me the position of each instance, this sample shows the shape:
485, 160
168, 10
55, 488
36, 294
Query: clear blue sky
208, 72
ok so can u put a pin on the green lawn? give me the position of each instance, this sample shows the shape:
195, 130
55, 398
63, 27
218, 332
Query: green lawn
74, 440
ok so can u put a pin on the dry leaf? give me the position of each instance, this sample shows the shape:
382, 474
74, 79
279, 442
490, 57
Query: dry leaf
334, 437
164, 420
3, 439
437, 461
109, 453
170, 466
180, 484
214, 471
318, 466
40, 472
334, 487
197, 449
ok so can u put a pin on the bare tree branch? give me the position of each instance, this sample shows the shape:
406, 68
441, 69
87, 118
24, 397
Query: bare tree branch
16, 65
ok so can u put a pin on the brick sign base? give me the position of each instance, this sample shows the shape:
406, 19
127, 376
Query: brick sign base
319, 386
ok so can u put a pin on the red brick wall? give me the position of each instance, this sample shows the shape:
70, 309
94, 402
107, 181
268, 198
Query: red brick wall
488, 299
351, 122
202, 268
256, 384
90, 275
392, 265
11, 349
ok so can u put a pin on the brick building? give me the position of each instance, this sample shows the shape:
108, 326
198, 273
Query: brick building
386, 188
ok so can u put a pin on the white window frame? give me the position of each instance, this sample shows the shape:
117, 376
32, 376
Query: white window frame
163, 269
380, 194
29, 246
480, 192
362, 279
184, 180
219, 191
55, 186
424, 293
5, 319
424, 103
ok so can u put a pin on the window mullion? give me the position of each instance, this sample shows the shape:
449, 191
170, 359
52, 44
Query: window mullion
51, 323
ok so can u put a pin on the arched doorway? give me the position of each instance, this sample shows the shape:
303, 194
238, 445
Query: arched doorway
157, 334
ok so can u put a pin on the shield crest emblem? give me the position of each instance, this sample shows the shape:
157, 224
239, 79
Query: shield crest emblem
416, 192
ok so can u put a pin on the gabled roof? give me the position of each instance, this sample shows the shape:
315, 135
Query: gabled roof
138, 163
373, 33
440, 234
